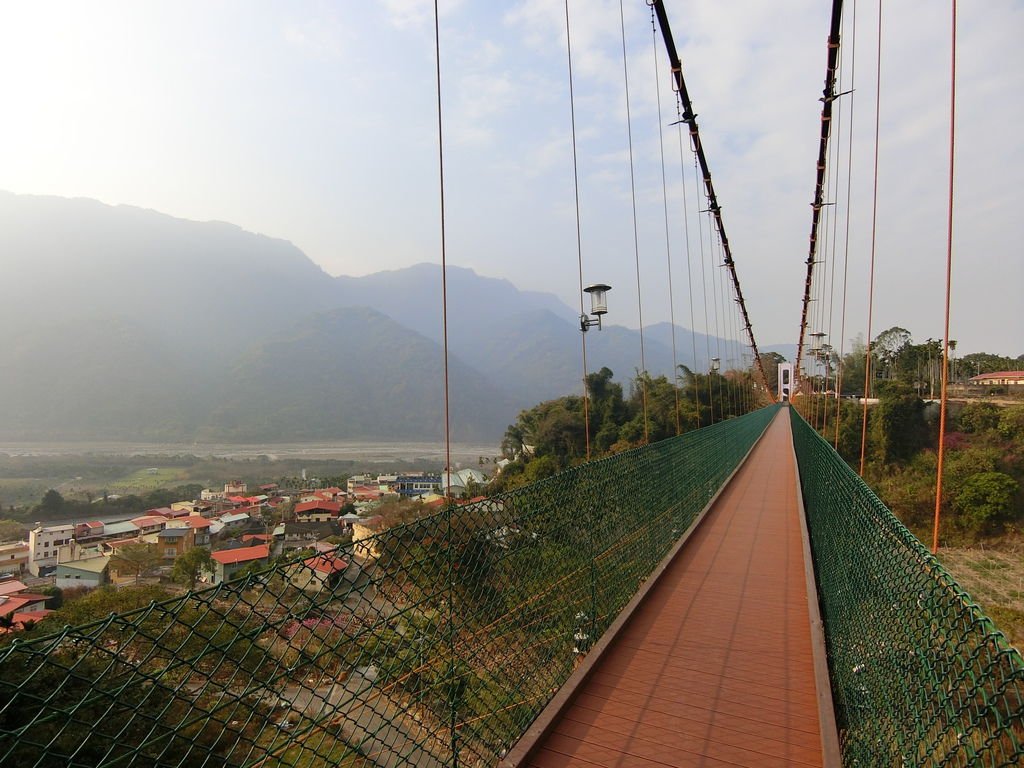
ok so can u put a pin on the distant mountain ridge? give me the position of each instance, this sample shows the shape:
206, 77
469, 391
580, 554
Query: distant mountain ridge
125, 323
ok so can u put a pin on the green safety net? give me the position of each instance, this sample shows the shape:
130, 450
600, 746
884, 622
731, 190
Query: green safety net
920, 676
436, 643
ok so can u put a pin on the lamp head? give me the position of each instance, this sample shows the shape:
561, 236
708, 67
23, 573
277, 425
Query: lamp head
598, 298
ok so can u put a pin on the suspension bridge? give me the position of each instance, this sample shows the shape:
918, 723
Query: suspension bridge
733, 595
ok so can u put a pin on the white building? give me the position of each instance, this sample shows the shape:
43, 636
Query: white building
13, 557
458, 482
43, 544
91, 572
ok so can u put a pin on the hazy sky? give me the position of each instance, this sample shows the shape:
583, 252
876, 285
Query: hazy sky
315, 122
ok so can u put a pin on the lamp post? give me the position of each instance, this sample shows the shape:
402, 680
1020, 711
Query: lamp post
598, 306
817, 343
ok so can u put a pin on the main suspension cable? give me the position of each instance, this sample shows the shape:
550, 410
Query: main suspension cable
691, 119
829, 95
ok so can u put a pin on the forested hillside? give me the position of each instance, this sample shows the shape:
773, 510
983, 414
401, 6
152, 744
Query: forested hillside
127, 324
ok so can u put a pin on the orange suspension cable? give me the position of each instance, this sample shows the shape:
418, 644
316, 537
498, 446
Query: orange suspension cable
579, 239
714, 298
636, 234
949, 276
846, 245
444, 262
874, 230
707, 325
689, 270
668, 246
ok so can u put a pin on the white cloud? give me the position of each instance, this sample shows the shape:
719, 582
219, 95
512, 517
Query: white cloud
416, 13
317, 124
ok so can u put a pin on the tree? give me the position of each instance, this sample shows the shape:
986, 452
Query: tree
921, 364
985, 498
52, 503
102, 602
853, 367
190, 566
56, 595
984, 362
899, 423
138, 559
889, 345
1011, 422
12, 530
770, 361
979, 417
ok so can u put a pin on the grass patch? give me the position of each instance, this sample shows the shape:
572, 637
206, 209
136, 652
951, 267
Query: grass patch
995, 580
148, 479
1010, 623
328, 752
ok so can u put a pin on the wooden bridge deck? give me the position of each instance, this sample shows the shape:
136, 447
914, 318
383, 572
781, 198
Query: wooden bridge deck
720, 663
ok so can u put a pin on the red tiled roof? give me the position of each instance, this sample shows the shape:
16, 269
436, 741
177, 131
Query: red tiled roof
123, 542
194, 521
326, 564
999, 375
11, 587
147, 520
256, 537
327, 506
17, 602
241, 555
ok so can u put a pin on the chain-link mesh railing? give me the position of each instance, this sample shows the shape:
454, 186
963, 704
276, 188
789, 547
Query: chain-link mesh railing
920, 676
435, 643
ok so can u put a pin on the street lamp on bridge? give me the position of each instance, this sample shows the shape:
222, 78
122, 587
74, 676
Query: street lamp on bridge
598, 306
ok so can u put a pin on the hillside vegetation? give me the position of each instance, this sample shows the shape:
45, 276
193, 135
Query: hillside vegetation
553, 435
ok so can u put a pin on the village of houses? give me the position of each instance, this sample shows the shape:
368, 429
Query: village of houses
238, 528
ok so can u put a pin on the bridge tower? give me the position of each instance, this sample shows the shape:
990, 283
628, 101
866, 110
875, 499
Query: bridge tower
785, 382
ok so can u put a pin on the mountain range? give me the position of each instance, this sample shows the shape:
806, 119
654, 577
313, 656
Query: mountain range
120, 323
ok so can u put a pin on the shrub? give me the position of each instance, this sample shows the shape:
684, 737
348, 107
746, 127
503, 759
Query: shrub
979, 417
984, 499
1011, 422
